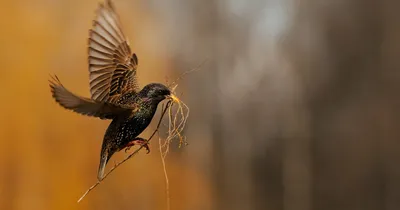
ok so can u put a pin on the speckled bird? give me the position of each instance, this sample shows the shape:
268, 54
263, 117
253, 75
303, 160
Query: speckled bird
113, 85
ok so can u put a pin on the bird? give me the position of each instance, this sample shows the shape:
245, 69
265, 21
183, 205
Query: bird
114, 90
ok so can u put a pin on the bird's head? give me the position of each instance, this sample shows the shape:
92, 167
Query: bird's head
156, 92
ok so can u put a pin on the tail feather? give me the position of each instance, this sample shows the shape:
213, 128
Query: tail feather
103, 162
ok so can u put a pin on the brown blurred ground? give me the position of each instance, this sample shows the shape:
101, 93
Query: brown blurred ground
296, 108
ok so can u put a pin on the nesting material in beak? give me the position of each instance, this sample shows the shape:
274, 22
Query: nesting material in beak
173, 98
177, 118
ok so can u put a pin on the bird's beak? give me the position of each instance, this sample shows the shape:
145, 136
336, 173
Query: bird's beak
173, 98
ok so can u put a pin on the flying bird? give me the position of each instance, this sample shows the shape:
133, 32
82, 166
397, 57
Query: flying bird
115, 94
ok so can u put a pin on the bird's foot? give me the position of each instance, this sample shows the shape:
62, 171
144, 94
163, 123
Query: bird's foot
138, 141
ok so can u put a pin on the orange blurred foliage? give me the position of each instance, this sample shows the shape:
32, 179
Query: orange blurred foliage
49, 156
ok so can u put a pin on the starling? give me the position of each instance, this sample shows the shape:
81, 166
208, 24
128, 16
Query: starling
115, 94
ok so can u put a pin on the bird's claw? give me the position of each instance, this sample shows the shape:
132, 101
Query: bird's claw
127, 149
145, 144
140, 142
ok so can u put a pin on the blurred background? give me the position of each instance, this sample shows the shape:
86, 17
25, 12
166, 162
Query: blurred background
296, 107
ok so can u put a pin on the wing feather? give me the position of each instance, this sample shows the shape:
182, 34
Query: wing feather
112, 66
81, 105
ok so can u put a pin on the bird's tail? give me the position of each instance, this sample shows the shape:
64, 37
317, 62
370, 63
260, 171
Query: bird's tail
103, 162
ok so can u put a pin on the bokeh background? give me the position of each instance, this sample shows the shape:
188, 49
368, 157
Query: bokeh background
296, 108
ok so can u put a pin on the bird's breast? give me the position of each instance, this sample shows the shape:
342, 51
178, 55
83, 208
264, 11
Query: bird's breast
129, 125
141, 117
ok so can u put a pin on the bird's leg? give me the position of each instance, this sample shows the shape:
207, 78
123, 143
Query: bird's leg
138, 141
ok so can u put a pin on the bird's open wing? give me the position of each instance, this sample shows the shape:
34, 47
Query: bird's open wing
81, 105
112, 66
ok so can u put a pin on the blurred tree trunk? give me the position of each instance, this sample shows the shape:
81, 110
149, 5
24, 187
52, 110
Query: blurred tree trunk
315, 131
350, 75
390, 146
